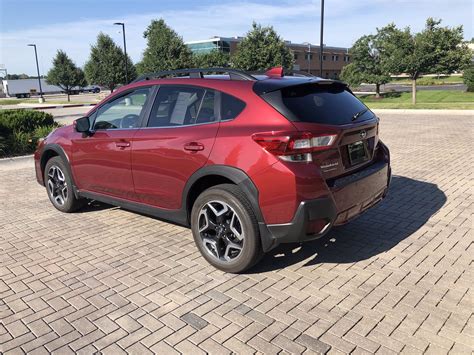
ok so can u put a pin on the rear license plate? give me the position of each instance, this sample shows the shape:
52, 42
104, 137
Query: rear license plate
357, 152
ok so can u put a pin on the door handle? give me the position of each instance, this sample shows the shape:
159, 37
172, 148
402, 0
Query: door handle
122, 144
194, 146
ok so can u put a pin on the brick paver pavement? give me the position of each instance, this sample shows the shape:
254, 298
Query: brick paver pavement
398, 279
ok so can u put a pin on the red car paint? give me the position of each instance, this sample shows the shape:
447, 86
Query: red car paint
153, 166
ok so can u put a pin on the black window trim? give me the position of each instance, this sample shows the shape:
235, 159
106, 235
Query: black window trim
205, 88
143, 114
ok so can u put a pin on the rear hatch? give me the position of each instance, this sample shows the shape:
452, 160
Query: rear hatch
327, 108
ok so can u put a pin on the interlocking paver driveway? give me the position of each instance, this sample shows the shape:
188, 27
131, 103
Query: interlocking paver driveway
398, 279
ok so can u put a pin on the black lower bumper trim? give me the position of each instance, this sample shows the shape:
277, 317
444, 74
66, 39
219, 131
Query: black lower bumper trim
312, 210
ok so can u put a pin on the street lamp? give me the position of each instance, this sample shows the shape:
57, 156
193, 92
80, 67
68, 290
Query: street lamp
321, 41
124, 49
38, 70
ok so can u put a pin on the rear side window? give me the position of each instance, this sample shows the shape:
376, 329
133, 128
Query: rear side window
320, 104
176, 106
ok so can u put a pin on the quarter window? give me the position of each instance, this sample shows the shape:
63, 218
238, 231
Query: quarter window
123, 112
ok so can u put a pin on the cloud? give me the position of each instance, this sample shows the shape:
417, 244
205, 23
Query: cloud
295, 20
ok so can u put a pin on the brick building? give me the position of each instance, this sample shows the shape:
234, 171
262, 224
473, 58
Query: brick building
306, 55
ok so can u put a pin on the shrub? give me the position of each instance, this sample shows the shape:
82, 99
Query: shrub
469, 78
21, 129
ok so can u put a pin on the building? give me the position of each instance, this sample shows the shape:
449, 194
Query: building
306, 54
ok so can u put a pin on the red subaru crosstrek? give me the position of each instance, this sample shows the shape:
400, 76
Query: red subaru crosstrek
247, 161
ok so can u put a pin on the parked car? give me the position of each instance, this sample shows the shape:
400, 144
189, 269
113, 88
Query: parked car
91, 89
248, 162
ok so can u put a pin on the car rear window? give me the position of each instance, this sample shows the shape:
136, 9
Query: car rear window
315, 103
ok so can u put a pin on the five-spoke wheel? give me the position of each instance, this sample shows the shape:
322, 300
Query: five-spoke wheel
57, 185
225, 228
221, 230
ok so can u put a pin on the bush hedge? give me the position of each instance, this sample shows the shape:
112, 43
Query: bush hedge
469, 78
21, 129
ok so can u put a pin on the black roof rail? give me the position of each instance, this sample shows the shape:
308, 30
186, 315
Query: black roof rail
234, 74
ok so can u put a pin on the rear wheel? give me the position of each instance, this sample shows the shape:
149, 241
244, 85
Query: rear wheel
225, 229
59, 186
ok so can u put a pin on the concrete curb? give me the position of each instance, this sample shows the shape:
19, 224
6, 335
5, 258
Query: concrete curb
58, 106
424, 112
24, 161
49, 107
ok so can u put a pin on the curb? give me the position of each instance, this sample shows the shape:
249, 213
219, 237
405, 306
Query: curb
19, 162
58, 106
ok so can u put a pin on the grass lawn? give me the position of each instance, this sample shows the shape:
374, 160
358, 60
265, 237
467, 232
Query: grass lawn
429, 80
427, 99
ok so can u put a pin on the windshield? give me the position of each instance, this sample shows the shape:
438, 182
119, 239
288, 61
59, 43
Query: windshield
332, 104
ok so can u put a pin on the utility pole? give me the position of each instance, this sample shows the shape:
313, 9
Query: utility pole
321, 41
38, 71
124, 49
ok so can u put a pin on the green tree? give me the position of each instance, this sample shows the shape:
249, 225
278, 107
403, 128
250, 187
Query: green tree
367, 64
468, 77
435, 49
351, 75
165, 49
65, 74
106, 64
262, 48
215, 58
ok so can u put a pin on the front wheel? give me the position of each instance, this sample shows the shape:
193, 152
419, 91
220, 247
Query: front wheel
59, 186
225, 229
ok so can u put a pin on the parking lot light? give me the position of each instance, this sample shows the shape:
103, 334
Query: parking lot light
124, 49
38, 71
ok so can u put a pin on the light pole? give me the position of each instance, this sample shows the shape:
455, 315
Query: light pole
38, 71
124, 49
321, 41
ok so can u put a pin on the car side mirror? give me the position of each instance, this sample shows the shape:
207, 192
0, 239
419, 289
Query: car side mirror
82, 125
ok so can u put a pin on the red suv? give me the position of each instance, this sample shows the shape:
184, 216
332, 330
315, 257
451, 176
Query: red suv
247, 161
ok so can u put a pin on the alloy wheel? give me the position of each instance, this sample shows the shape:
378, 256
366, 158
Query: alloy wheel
221, 231
57, 185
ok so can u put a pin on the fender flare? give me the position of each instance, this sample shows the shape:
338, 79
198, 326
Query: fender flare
241, 179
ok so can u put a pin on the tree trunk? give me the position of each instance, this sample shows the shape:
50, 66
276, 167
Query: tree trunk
68, 98
413, 91
377, 91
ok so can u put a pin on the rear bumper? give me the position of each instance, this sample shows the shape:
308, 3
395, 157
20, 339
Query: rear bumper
350, 196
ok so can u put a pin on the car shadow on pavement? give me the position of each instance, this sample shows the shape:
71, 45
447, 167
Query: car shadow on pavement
408, 206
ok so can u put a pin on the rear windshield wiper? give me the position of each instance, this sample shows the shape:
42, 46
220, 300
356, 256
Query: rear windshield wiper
360, 113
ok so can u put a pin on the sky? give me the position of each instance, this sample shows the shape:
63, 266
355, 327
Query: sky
73, 25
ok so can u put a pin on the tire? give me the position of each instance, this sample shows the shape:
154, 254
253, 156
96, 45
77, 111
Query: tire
219, 234
58, 184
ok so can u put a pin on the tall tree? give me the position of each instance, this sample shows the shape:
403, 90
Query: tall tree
65, 74
211, 59
165, 49
367, 64
262, 48
106, 64
435, 49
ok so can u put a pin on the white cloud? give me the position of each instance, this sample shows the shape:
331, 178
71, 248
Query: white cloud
296, 20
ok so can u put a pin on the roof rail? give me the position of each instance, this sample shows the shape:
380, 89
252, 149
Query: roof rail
234, 74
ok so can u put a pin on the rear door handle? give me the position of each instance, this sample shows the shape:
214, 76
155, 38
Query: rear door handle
194, 146
122, 144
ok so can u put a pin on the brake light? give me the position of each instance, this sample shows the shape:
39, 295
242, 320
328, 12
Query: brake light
290, 146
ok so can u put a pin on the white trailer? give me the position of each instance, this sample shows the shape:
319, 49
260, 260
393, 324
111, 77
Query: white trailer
28, 87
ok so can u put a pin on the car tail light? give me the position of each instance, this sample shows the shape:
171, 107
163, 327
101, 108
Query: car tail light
290, 146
